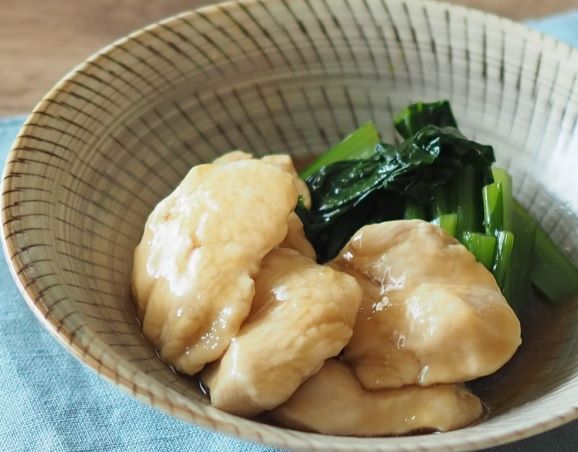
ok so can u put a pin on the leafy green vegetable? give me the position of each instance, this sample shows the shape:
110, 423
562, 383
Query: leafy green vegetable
482, 246
550, 271
516, 287
328, 238
466, 189
359, 145
414, 211
347, 190
435, 174
416, 116
534, 257
447, 222
503, 256
441, 202
502, 177
493, 208
498, 201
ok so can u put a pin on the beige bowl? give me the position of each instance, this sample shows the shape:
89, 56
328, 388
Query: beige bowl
120, 131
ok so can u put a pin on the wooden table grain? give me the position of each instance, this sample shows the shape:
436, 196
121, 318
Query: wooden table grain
41, 40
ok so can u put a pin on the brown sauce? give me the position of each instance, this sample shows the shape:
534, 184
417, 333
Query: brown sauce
535, 368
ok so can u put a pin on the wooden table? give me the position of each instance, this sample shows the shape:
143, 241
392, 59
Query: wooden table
40, 40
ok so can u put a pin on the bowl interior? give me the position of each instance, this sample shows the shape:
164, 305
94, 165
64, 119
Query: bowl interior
274, 76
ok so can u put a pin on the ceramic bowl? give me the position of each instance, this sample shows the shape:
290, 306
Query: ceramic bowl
119, 132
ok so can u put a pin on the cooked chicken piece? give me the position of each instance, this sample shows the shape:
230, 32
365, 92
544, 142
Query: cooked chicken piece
333, 402
430, 313
302, 314
282, 161
285, 162
233, 156
296, 239
295, 236
192, 274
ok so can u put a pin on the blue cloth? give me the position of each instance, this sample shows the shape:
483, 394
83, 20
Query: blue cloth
50, 402
562, 26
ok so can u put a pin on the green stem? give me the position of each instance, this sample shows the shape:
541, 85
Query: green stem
482, 246
552, 272
414, 211
502, 177
441, 201
517, 283
466, 188
447, 222
493, 208
502, 256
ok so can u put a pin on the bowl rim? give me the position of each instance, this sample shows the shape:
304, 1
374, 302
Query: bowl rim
251, 428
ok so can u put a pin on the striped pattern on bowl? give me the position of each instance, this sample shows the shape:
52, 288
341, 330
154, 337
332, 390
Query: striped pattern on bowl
120, 131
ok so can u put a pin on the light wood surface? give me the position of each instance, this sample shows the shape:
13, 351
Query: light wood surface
41, 40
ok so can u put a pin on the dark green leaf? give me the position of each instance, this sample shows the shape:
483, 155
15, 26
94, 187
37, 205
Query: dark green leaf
346, 191
358, 145
416, 116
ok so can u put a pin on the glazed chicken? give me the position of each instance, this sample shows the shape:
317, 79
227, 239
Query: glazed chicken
302, 314
333, 402
226, 283
295, 238
193, 269
430, 313
282, 161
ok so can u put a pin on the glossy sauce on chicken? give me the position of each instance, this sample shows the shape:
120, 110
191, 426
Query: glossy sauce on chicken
333, 402
376, 343
430, 313
302, 314
192, 273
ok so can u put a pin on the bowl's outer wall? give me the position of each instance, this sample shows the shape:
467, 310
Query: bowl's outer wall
120, 131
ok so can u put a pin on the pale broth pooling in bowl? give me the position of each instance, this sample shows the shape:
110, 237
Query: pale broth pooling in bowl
197, 309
